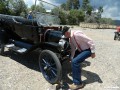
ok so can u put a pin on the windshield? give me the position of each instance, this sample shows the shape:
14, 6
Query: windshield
47, 19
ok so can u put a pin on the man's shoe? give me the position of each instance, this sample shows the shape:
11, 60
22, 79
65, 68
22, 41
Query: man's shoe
75, 87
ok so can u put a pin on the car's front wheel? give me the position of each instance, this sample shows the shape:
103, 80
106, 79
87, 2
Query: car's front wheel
50, 66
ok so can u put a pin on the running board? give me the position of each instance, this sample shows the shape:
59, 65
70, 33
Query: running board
9, 45
18, 49
15, 48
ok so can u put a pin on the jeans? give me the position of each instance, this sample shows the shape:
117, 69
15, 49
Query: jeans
76, 67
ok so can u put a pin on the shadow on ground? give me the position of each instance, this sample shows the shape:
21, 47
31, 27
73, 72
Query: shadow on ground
90, 76
29, 60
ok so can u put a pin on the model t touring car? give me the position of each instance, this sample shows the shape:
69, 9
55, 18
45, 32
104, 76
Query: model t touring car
22, 36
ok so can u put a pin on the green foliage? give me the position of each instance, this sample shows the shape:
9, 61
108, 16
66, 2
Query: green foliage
98, 15
13, 7
91, 17
56, 11
71, 4
75, 17
89, 10
38, 8
63, 18
100, 9
72, 17
85, 5
63, 6
69, 12
4, 7
61, 14
18, 7
106, 21
68, 5
76, 4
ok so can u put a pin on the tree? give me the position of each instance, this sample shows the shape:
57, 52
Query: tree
89, 9
61, 14
38, 8
85, 5
4, 7
106, 21
69, 5
94, 17
75, 17
17, 7
100, 9
76, 4
55, 11
63, 6
72, 4
98, 16
14, 7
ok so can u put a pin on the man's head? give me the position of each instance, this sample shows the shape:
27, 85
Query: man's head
66, 32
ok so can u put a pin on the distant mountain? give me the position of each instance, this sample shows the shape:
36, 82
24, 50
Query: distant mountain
117, 22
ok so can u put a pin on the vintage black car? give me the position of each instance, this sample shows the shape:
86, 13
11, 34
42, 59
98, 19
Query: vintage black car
22, 36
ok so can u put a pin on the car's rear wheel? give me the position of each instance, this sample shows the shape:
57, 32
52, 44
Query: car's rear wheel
50, 66
1, 48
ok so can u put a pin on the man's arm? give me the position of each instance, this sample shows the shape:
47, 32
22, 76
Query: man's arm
72, 50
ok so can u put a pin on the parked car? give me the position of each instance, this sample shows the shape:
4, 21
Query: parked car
23, 36
117, 34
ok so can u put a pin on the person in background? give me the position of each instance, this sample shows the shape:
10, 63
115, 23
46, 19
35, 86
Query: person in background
30, 16
82, 47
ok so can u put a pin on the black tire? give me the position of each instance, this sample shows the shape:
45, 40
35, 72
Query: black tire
1, 48
119, 37
50, 66
115, 37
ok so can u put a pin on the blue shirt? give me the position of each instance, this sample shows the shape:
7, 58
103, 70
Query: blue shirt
30, 16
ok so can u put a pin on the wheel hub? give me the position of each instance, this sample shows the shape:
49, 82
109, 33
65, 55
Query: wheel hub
47, 67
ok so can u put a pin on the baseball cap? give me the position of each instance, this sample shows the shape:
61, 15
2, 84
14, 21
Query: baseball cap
65, 29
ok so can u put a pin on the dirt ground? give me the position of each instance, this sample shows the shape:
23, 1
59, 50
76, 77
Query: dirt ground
102, 73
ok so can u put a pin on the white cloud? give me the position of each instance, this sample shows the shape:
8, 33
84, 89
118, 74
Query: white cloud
29, 2
111, 11
111, 8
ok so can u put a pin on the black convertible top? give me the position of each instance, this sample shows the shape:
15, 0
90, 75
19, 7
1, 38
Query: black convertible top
17, 19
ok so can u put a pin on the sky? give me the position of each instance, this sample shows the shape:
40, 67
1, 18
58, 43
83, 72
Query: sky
111, 7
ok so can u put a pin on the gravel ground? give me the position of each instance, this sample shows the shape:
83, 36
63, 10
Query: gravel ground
102, 73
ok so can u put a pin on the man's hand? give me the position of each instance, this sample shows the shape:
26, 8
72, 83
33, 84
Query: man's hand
69, 60
93, 55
